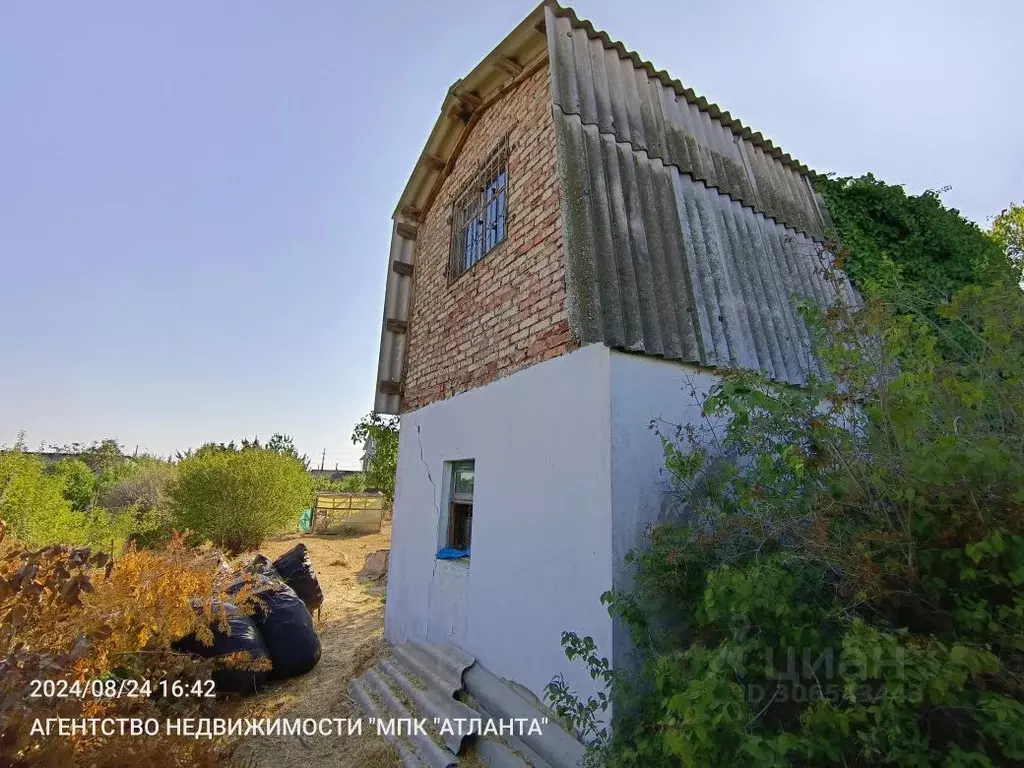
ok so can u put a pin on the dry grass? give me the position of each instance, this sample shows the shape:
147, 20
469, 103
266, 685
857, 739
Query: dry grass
351, 634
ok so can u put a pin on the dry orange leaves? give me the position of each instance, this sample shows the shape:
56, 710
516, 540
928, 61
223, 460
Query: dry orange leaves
74, 615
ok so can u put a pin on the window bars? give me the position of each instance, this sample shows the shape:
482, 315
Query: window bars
479, 215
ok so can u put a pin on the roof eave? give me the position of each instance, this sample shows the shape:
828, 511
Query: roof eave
522, 49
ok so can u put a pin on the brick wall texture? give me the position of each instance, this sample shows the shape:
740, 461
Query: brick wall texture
508, 310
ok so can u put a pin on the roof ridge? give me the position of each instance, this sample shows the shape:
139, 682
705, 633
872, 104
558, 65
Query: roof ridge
734, 124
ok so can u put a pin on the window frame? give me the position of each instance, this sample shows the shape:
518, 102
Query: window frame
472, 208
456, 498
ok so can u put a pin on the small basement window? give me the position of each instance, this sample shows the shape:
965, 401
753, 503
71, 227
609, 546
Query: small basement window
479, 215
459, 536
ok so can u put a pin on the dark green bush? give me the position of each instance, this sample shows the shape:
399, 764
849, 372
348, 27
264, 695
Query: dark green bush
845, 584
851, 595
884, 232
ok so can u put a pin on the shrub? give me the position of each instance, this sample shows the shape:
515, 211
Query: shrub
69, 614
355, 483
886, 232
33, 502
145, 487
143, 496
102, 456
78, 481
238, 498
846, 586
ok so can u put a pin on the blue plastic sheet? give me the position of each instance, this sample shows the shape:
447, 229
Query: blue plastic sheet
306, 520
451, 553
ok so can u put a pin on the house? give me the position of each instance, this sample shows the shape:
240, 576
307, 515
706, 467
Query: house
582, 239
369, 450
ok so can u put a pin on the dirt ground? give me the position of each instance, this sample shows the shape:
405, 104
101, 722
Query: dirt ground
351, 631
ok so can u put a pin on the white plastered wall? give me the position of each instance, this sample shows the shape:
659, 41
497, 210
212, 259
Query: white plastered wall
644, 389
569, 479
542, 545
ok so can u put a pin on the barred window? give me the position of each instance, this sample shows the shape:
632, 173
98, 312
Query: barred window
479, 214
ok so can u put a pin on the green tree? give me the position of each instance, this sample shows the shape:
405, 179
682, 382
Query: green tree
236, 499
103, 456
283, 444
247, 444
78, 480
379, 435
1008, 232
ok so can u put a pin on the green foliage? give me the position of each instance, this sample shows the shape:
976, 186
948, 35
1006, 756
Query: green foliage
283, 444
846, 585
380, 435
354, 483
49, 507
107, 530
238, 498
99, 455
104, 458
78, 481
103, 498
144, 485
1008, 233
142, 499
583, 717
887, 233
33, 503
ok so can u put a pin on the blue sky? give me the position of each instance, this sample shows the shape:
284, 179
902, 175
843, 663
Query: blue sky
195, 197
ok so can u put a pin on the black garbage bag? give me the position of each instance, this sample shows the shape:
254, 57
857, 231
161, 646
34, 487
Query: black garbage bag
287, 630
297, 572
261, 564
242, 637
260, 574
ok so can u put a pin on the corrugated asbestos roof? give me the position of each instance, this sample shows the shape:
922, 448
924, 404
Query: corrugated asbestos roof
600, 87
664, 265
605, 85
686, 236
422, 680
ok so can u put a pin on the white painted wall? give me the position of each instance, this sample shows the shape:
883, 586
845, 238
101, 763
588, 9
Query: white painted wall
542, 545
569, 479
643, 389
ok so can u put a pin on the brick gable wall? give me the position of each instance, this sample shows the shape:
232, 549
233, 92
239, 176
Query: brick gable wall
508, 310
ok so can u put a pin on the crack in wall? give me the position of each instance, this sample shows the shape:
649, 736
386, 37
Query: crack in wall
419, 441
437, 508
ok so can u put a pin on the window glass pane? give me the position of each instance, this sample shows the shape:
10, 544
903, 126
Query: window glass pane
499, 217
478, 236
472, 247
492, 222
479, 222
467, 239
462, 478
